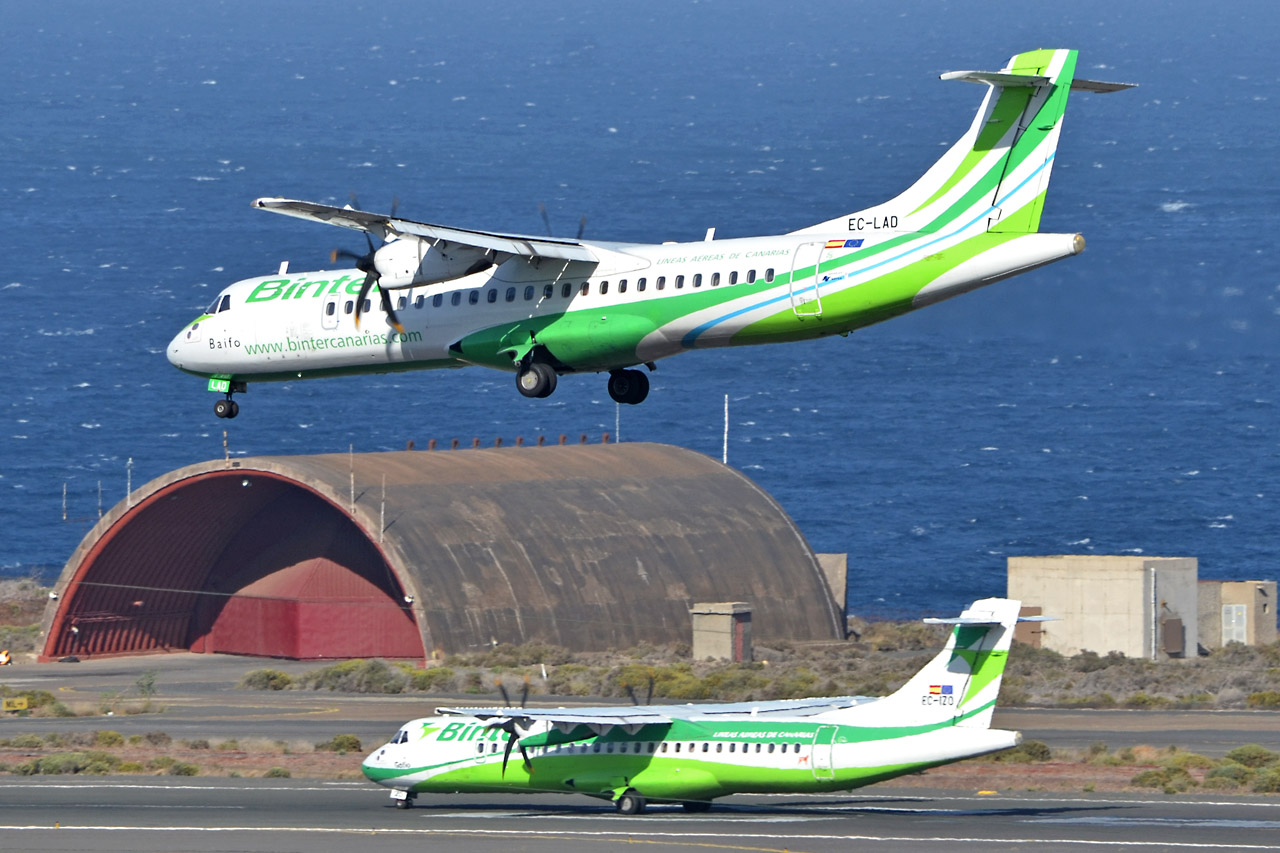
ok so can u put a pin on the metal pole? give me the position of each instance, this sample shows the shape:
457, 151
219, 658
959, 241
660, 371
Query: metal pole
725, 455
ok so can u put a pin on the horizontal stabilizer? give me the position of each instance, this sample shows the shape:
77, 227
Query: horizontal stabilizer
1004, 78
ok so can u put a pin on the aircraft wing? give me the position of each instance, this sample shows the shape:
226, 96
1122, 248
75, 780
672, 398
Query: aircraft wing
392, 226
633, 717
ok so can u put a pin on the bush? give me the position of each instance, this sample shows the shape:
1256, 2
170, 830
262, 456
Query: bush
437, 678
183, 768
1169, 779
198, 743
1191, 761
231, 745
341, 744
277, 773
157, 738
161, 762
28, 741
356, 676
1235, 773
1252, 755
266, 679
1264, 699
106, 737
129, 767
1267, 782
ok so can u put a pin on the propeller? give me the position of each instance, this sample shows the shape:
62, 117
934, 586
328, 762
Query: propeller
546, 220
648, 697
510, 726
365, 264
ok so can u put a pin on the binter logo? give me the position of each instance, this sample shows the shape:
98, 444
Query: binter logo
297, 288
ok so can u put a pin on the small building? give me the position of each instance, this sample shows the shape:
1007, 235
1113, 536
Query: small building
1237, 612
1144, 607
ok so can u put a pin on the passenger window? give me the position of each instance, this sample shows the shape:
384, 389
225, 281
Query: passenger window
330, 309
473, 297
768, 275
751, 276
420, 302
662, 282
640, 286
511, 294
651, 745
567, 290
456, 299
706, 747
608, 747
586, 288
770, 749
604, 288
368, 306
719, 747
679, 282
622, 286
697, 280
492, 295
733, 277
595, 747
715, 279
403, 303
349, 307
664, 746
529, 292
548, 291
479, 747
758, 747
437, 300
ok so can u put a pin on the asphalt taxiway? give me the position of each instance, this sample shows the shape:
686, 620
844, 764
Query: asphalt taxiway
102, 814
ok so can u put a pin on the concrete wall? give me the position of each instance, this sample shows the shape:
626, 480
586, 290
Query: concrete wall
1258, 599
1110, 603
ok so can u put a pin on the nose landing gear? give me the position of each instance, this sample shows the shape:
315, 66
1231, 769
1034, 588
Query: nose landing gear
229, 408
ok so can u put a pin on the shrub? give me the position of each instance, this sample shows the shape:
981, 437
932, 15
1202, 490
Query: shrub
183, 768
356, 676
1191, 761
341, 744
1264, 699
161, 762
277, 773
1252, 755
28, 741
231, 745
107, 737
1235, 773
129, 767
198, 743
438, 678
1169, 779
266, 679
1145, 701
157, 738
1267, 782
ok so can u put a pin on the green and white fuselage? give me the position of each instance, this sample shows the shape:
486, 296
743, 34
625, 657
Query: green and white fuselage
693, 754
544, 307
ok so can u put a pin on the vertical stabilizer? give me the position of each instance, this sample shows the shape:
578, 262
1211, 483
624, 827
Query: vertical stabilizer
960, 685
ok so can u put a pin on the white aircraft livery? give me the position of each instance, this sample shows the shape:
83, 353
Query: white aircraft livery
542, 307
634, 755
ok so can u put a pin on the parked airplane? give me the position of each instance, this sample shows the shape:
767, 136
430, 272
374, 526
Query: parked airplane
542, 306
693, 754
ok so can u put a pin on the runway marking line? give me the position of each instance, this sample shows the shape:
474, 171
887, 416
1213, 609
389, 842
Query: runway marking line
650, 837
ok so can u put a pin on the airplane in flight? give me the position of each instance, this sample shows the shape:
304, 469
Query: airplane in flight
693, 754
542, 307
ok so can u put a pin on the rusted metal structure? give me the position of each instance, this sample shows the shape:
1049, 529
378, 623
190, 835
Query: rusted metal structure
413, 553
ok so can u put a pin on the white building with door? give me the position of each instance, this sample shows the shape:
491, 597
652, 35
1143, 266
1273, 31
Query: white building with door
1237, 612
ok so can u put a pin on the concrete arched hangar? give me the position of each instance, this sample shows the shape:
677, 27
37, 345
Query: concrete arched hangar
414, 553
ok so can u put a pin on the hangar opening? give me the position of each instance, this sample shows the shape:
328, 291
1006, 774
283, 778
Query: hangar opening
413, 554
240, 562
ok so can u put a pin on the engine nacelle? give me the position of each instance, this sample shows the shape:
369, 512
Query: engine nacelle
409, 261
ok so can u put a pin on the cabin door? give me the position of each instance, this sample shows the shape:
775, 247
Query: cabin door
823, 744
806, 285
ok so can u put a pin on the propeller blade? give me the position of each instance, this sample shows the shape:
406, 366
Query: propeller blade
546, 220
391, 314
631, 693
648, 697
506, 753
524, 691
506, 697
582, 226
364, 291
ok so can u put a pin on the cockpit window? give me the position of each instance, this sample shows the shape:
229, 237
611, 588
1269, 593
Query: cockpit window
222, 303
402, 736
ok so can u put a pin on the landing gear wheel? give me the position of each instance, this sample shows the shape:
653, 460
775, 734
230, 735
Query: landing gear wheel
406, 803
227, 408
696, 805
628, 386
536, 380
630, 803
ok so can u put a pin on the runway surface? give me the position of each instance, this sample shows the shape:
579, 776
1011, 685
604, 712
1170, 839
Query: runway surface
268, 815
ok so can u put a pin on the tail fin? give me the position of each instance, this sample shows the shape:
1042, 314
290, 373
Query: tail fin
960, 685
994, 177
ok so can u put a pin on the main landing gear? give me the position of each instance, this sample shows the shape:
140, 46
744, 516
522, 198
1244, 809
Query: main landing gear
628, 386
630, 803
536, 380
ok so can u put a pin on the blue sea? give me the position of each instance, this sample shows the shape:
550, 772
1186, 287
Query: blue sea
1121, 402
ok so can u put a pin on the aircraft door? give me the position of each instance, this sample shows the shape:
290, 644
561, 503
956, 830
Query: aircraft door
806, 285
329, 312
823, 745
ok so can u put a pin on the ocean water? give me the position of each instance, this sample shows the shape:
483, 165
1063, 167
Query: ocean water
1123, 401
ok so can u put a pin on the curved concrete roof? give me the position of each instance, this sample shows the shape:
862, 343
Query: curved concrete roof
588, 547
